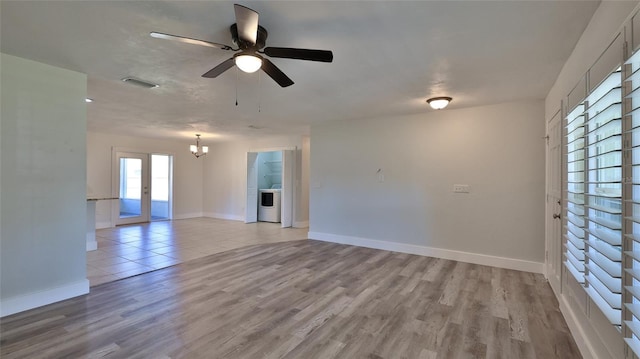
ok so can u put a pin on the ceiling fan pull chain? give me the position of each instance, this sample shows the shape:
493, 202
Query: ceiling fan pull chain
236, 86
259, 90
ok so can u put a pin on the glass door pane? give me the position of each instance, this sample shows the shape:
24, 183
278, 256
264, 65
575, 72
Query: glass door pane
133, 178
130, 187
160, 187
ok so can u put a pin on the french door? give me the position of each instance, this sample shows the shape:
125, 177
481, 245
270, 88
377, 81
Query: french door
133, 193
553, 256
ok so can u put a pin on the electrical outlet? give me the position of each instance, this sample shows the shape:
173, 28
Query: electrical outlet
461, 188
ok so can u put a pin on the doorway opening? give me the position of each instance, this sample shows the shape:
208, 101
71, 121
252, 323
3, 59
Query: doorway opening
144, 190
270, 187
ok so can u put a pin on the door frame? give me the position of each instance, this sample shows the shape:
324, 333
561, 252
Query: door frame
288, 188
115, 180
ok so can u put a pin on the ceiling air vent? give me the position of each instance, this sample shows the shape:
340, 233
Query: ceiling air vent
140, 83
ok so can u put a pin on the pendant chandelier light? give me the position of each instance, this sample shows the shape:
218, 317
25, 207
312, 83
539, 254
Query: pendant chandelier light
198, 150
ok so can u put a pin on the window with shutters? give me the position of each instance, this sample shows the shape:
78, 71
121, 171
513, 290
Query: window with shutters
601, 193
594, 184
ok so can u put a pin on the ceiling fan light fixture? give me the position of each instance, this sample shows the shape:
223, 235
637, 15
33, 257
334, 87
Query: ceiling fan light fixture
438, 103
248, 63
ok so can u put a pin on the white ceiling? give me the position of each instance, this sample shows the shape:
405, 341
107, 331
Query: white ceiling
389, 57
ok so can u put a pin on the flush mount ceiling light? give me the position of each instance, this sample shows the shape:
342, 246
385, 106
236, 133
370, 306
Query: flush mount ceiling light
198, 150
248, 62
140, 83
438, 103
87, 100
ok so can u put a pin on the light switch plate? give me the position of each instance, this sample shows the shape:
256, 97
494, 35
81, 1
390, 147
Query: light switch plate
461, 188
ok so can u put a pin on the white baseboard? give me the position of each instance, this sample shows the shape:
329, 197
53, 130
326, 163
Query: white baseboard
38, 299
594, 335
301, 224
188, 215
230, 217
103, 225
483, 259
584, 345
92, 245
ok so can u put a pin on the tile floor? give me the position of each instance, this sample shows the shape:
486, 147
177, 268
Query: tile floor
130, 250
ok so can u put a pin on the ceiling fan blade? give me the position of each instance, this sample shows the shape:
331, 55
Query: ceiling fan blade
188, 40
275, 73
218, 70
247, 21
299, 54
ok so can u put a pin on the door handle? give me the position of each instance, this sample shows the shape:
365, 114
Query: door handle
557, 216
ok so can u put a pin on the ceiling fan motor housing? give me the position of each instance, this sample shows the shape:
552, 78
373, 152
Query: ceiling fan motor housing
261, 38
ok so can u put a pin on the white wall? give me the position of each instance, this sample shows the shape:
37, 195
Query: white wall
498, 150
187, 172
225, 176
43, 183
595, 336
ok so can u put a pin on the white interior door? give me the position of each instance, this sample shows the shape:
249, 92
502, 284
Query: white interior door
251, 208
553, 261
288, 163
133, 187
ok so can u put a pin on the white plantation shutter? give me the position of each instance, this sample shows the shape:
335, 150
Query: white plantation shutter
603, 239
574, 233
631, 109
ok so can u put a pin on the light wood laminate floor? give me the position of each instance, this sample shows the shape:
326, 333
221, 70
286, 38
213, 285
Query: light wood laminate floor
125, 251
302, 299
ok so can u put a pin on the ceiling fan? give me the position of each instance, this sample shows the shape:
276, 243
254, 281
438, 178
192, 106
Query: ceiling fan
250, 38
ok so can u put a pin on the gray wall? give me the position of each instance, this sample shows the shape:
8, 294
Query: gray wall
498, 150
43, 183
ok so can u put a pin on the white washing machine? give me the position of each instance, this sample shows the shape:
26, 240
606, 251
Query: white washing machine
269, 206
